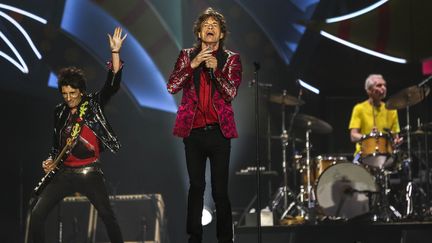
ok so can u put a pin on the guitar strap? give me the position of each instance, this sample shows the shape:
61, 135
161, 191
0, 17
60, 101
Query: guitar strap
76, 128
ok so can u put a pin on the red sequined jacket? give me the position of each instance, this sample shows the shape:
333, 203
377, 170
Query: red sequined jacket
228, 77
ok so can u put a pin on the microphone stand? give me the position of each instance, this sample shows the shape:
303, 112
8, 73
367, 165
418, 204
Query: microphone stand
257, 146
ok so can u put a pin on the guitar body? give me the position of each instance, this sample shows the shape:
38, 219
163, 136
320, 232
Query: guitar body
45, 181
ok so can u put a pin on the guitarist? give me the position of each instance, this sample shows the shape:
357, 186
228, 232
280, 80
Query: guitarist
78, 170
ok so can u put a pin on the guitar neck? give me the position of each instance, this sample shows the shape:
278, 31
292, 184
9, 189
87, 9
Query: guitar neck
59, 157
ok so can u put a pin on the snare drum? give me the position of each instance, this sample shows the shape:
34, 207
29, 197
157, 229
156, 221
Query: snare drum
376, 150
339, 190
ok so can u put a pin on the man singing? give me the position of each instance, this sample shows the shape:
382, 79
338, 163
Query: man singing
209, 76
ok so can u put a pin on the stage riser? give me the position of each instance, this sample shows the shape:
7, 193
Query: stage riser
339, 236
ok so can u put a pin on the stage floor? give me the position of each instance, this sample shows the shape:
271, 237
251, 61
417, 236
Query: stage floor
340, 232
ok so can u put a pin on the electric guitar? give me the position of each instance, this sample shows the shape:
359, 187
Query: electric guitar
58, 163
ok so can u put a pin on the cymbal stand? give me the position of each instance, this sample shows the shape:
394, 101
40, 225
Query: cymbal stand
285, 138
381, 208
425, 89
406, 168
310, 216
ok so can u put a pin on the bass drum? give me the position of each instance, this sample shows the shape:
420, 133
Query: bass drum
341, 190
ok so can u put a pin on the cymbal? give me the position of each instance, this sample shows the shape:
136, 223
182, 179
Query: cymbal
285, 99
427, 126
315, 124
417, 133
407, 97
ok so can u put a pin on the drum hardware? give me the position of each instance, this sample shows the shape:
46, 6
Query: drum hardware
317, 166
286, 100
408, 96
352, 192
293, 206
427, 126
383, 210
285, 136
415, 200
307, 191
422, 136
417, 134
290, 199
316, 125
408, 199
404, 99
349, 192
310, 191
311, 124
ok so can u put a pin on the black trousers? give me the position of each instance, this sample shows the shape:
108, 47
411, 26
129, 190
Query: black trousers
200, 145
66, 183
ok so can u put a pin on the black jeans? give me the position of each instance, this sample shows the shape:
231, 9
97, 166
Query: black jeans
200, 145
66, 183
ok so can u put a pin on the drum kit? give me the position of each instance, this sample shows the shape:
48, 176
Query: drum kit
331, 187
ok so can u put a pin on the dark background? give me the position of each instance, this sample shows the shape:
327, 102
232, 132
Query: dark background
151, 159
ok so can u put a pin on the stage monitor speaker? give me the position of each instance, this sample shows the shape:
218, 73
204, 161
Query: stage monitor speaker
140, 216
68, 222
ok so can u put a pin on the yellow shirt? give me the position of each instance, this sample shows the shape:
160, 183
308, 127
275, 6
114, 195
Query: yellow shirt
362, 118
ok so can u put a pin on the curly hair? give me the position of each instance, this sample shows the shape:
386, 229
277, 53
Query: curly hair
209, 12
73, 77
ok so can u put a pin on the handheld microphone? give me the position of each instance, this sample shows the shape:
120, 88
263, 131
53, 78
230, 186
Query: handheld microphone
211, 74
210, 70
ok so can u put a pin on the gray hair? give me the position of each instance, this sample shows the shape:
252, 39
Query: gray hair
370, 80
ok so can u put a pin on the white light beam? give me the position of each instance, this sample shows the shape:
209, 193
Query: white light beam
26, 36
356, 13
22, 65
362, 49
23, 12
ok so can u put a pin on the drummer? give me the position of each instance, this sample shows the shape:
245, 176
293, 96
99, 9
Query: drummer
371, 115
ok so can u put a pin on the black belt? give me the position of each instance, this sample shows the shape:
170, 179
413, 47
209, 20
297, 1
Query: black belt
208, 127
95, 166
